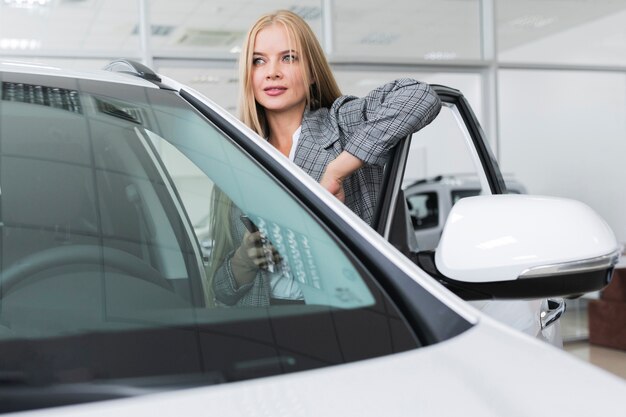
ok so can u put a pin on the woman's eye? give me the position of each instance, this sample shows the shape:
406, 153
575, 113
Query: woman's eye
257, 61
290, 58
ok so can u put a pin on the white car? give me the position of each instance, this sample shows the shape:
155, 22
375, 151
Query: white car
106, 182
430, 200
429, 203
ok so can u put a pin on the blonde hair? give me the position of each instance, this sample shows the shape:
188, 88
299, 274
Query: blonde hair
322, 89
221, 236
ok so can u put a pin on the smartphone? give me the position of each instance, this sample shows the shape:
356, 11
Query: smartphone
248, 223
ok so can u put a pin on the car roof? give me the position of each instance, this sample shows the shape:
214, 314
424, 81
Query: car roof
458, 182
97, 75
447, 181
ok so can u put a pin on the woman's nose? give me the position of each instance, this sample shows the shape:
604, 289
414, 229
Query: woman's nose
273, 72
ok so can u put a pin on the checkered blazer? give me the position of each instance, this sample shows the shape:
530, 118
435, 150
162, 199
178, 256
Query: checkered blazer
368, 128
255, 294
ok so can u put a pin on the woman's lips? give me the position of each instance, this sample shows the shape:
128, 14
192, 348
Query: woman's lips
274, 91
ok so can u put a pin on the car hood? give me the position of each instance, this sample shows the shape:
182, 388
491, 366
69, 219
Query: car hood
487, 371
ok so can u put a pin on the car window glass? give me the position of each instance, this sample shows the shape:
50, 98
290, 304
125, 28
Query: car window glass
456, 195
442, 164
425, 210
309, 257
109, 240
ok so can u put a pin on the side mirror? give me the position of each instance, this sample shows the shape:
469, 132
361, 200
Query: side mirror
521, 246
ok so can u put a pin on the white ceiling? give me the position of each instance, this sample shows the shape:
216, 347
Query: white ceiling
445, 30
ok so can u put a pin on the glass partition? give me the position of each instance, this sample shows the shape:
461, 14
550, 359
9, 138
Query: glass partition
361, 82
219, 83
69, 28
187, 28
442, 31
557, 32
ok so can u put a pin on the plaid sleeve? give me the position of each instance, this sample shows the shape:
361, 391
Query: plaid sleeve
375, 123
224, 284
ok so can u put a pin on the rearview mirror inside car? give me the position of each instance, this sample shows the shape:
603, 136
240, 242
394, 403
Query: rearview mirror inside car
521, 246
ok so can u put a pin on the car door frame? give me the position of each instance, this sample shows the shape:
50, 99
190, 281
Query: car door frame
391, 217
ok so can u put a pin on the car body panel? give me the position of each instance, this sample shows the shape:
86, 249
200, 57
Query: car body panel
467, 375
96, 75
485, 370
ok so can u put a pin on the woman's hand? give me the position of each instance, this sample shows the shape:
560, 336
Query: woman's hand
338, 170
255, 252
334, 185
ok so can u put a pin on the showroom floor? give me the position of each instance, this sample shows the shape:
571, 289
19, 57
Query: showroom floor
575, 336
611, 360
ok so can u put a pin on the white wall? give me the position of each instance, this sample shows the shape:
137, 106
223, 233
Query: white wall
563, 133
600, 41
360, 83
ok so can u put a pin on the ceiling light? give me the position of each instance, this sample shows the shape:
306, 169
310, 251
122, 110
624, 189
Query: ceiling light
156, 30
440, 56
26, 4
532, 21
235, 50
210, 38
20, 44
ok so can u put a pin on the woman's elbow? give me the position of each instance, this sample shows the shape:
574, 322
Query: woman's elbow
427, 107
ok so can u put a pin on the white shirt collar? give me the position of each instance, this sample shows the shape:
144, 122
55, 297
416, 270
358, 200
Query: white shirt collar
294, 143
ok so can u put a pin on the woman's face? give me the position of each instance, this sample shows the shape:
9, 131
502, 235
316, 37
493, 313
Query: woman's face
277, 72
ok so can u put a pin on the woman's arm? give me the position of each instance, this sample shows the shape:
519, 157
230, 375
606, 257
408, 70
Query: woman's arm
373, 125
235, 275
340, 168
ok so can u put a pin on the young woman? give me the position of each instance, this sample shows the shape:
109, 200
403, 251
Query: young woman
290, 97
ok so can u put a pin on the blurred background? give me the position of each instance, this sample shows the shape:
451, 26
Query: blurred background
547, 78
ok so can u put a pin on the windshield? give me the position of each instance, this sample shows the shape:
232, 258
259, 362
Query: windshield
116, 208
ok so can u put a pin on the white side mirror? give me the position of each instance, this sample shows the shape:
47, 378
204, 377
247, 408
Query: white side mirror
491, 239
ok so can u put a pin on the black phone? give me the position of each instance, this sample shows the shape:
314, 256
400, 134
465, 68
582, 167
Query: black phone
248, 223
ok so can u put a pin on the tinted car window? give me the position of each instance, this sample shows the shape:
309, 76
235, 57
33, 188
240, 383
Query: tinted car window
107, 250
456, 195
424, 210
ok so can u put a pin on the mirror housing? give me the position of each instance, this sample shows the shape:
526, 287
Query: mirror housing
521, 246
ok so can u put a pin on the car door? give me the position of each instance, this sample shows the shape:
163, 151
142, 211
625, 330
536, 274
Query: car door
450, 150
452, 145
107, 266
